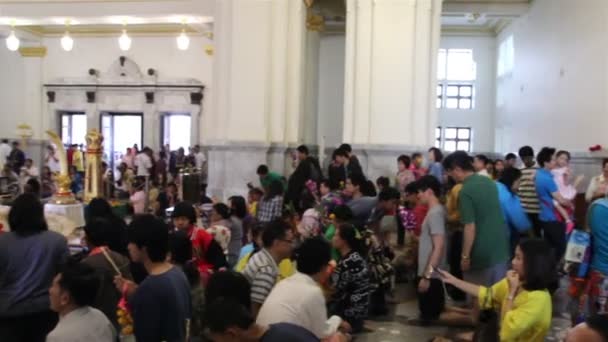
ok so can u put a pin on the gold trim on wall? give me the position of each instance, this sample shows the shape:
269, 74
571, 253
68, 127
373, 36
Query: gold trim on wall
33, 51
109, 30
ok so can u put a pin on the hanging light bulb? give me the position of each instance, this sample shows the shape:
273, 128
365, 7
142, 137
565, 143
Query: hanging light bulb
124, 42
67, 43
12, 42
183, 42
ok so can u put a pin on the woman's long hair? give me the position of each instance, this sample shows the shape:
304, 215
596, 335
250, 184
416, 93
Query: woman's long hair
539, 264
509, 176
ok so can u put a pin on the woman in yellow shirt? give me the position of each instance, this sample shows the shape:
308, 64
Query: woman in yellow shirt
522, 298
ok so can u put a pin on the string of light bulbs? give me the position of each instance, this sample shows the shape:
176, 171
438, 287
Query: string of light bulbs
124, 41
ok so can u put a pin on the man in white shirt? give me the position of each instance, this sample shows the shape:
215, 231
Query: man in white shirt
72, 293
28, 171
598, 187
299, 299
51, 160
143, 162
5, 151
199, 157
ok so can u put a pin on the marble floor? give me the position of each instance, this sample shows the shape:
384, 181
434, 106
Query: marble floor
395, 327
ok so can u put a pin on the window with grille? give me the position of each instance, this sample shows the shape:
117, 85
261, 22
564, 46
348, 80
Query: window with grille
438, 137
456, 74
457, 139
459, 96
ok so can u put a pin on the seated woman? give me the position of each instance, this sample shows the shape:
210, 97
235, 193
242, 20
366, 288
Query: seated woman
220, 227
521, 299
351, 279
208, 255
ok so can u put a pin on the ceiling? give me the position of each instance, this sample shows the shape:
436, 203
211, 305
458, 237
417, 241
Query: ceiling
486, 17
39, 18
34, 19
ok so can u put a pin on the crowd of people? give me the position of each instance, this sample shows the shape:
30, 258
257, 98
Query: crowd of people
312, 256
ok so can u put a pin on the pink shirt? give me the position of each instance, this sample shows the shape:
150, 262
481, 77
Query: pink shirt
561, 176
138, 200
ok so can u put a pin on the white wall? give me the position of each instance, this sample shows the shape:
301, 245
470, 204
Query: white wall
481, 117
331, 89
556, 94
12, 89
159, 53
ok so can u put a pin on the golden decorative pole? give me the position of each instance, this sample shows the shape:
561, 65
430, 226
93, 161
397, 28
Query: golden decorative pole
25, 132
63, 194
93, 184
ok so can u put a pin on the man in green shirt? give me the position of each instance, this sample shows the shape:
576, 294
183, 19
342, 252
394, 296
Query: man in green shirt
485, 251
267, 177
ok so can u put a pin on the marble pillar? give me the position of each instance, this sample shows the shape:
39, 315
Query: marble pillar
33, 94
390, 71
256, 106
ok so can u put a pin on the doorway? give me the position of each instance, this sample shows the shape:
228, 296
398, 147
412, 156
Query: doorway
175, 130
120, 131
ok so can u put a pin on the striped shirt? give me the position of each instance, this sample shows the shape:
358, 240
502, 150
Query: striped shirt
262, 272
527, 191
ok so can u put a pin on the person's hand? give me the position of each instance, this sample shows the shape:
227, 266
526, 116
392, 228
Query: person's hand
465, 264
446, 276
124, 285
345, 327
513, 278
423, 285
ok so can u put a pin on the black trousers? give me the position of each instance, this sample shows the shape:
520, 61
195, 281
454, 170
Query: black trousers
454, 254
554, 233
28, 328
536, 228
432, 302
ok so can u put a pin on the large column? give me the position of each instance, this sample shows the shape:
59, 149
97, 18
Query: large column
390, 71
32, 96
256, 88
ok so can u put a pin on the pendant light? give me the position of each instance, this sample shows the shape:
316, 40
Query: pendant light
124, 42
12, 42
67, 43
183, 42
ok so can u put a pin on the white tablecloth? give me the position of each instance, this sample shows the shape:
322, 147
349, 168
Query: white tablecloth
63, 219
73, 212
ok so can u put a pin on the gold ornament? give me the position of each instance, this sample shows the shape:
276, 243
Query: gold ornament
63, 194
93, 185
315, 22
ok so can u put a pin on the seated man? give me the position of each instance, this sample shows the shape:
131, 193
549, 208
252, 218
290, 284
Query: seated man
308, 308
72, 293
229, 320
262, 269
